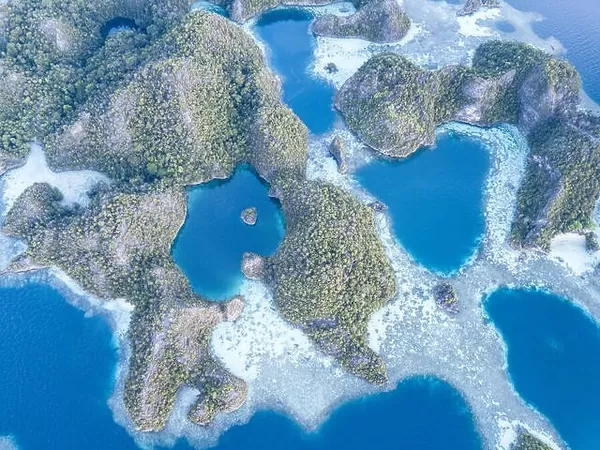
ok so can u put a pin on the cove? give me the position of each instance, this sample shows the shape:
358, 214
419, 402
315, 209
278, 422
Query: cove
202, 5
422, 413
435, 199
553, 359
213, 239
290, 46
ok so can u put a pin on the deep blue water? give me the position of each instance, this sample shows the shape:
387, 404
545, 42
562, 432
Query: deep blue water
553, 360
57, 367
211, 243
56, 372
118, 24
291, 47
576, 24
435, 199
421, 414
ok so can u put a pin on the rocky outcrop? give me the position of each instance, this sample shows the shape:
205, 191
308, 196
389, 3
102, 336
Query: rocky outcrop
527, 441
445, 297
249, 216
168, 115
394, 106
376, 21
472, 6
337, 150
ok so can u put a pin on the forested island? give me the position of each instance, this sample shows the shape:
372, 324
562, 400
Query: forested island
177, 99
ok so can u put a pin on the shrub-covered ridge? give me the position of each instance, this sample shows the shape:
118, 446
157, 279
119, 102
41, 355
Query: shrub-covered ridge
394, 106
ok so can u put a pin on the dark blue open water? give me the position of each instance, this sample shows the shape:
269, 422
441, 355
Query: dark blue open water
56, 377
435, 199
576, 24
291, 47
553, 360
211, 243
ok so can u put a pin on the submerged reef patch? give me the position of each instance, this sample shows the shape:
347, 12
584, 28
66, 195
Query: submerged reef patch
394, 106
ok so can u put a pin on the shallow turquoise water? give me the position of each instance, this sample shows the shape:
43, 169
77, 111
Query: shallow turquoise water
553, 360
435, 199
211, 243
290, 48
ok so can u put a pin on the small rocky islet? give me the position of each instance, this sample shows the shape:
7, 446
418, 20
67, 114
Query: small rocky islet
136, 107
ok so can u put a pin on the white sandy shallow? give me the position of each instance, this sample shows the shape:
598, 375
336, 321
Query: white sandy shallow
74, 185
8, 443
569, 248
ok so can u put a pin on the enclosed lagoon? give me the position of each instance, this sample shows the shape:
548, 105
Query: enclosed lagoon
553, 352
290, 48
214, 237
435, 199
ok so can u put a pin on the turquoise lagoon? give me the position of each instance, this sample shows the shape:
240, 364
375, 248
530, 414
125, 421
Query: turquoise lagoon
435, 199
213, 239
290, 49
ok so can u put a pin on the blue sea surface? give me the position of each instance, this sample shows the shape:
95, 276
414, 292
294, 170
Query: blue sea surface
57, 372
435, 199
291, 52
576, 24
213, 239
553, 360
422, 413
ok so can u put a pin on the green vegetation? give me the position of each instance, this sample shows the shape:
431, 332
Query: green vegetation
376, 21
331, 274
562, 182
192, 115
395, 106
527, 441
120, 248
178, 101
59, 58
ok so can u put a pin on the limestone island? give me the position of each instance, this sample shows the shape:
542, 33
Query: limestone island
136, 106
394, 106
